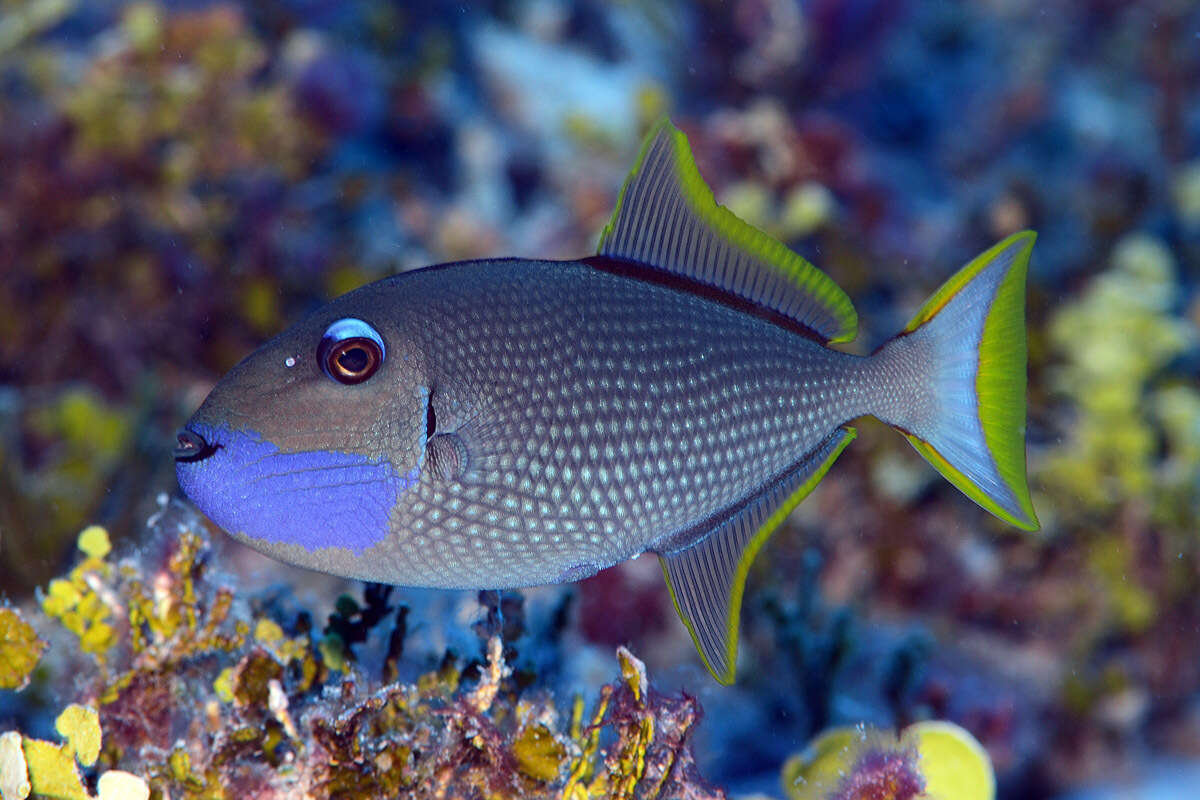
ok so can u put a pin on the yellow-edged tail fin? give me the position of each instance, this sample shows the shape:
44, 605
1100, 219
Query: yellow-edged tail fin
969, 420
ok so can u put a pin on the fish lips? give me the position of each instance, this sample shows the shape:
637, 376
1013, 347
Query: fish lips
191, 446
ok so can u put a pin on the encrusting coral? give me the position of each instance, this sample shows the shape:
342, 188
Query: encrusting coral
190, 694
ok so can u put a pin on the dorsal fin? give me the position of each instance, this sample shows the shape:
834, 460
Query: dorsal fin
706, 578
666, 217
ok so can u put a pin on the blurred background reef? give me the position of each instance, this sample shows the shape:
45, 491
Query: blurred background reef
179, 181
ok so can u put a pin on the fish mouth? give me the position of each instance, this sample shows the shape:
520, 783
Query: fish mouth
191, 446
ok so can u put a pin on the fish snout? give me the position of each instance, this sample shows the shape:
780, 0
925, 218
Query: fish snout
191, 446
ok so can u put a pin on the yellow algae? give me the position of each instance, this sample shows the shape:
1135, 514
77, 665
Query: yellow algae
822, 763
20, 649
1112, 342
539, 754
143, 26
268, 632
931, 760
52, 771
80, 726
806, 208
94, 541
954, 763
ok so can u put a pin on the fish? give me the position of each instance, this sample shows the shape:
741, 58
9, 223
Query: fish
514, 422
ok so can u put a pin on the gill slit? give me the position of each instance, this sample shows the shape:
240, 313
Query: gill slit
425, 395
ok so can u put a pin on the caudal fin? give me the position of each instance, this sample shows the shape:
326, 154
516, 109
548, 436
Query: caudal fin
964, 353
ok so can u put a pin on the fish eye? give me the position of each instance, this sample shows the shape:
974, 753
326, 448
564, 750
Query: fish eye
351, 351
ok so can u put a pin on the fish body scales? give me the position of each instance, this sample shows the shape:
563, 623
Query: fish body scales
600, 415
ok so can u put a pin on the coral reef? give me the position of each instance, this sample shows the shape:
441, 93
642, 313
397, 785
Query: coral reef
188, 692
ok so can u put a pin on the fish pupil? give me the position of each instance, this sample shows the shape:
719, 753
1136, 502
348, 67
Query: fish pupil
354, 360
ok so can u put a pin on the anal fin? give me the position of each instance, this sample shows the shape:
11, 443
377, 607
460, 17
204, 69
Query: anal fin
706, 578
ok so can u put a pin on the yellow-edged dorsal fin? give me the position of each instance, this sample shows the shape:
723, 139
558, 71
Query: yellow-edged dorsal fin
667, 218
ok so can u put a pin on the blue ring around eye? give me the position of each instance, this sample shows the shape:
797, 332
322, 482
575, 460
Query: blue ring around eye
350, 333
351, 328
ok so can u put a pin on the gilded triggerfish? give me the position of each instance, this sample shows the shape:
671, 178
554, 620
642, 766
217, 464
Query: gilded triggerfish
514, 422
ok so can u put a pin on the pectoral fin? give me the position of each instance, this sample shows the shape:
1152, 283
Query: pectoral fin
706, 579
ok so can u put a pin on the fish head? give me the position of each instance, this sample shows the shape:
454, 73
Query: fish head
304, 448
